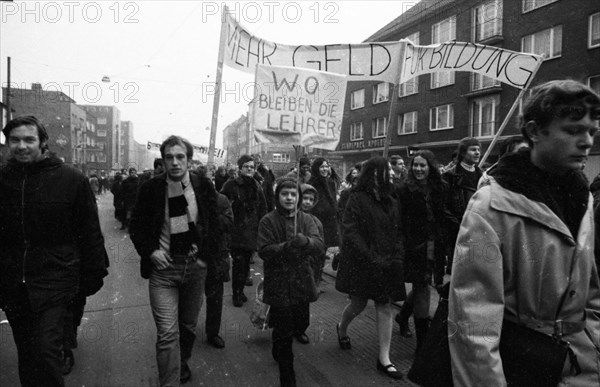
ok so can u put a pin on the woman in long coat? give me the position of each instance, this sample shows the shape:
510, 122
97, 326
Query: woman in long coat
326, 210
422, 198
371, 267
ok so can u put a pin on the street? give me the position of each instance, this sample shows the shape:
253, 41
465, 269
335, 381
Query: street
117, 336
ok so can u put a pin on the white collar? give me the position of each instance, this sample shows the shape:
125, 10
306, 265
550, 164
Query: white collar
467, 167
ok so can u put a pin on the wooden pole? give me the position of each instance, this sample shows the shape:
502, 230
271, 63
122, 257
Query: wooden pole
388, 135
217, 96
509, 115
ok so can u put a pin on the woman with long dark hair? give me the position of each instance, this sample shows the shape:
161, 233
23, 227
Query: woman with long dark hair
422, 200
370, 268
322, 178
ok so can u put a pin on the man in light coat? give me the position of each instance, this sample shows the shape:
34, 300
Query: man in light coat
526, 242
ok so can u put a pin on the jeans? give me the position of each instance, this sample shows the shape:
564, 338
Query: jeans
176, 298
240, 268
38, 337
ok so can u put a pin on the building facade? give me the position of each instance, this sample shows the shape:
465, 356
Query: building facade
434, 111
238, 139
108, 120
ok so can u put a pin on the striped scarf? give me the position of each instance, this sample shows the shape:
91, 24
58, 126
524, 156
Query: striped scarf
182, 226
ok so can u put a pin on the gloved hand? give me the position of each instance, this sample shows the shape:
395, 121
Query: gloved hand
299, 241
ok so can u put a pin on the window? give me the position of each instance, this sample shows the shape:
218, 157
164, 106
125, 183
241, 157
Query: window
444, 31
357, 99
483, 116
381, 92
594, 40
409, 123
101, 133
102, 121
441, 117
101, 158
378, 127
441, 32
441, 79
487, 20
356, 131
594, 83
411, 86
281, 157
547, 42
529, 5
101, 145
479, 82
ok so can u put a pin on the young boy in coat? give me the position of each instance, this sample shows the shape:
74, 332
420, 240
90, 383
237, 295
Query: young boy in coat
289, 284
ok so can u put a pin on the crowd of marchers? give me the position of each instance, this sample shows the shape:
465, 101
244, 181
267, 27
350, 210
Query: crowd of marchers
514, 243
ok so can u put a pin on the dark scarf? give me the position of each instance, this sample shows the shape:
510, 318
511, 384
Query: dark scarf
567, 196
182, 226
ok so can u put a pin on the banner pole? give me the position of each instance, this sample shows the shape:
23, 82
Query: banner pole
217, 96
509, 115
297, 148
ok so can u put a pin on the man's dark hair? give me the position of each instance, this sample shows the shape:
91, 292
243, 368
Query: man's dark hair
464, 145
508, 145
158, 162
28, 121
244, 159
394, 159
557, 100
177, 140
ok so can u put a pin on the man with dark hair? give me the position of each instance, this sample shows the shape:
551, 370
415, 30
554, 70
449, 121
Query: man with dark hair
52, 249
158, 166
524, 253
397, 163
305, 175
174, 229
249, 206
462, 181
129, 188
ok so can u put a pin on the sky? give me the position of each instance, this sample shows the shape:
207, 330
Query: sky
161, 56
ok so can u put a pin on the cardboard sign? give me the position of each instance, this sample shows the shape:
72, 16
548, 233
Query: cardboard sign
513, 68
361, 61
298, 107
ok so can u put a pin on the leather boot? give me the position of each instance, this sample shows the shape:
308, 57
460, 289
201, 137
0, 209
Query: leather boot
422, 326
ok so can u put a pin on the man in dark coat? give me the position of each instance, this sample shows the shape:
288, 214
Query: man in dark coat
249, 206
52, 248
174, 229
218, 273
266, 178
462, 181
129, 188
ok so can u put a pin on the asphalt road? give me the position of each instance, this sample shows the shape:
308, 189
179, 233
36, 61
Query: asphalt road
117, 336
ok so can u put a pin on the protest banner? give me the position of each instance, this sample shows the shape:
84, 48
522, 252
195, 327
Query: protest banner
360, 61
200, 149
513, 68
298, 107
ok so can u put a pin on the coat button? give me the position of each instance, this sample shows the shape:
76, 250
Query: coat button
572, 293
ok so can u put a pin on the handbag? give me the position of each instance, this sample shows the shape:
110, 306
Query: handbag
259, 316
529, 358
